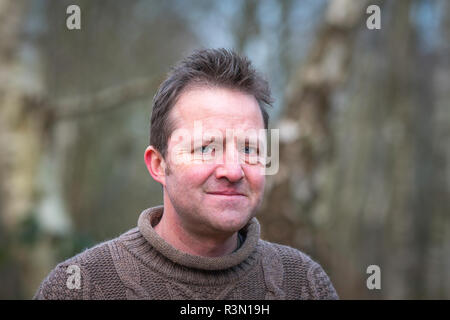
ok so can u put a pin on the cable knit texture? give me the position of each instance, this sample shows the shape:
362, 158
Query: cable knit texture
139, 264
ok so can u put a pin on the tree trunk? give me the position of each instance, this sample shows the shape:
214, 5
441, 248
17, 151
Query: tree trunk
24, 140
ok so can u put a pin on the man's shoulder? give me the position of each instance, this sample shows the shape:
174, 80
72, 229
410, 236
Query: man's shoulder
81, 276
97, 256
300, 271
290, 256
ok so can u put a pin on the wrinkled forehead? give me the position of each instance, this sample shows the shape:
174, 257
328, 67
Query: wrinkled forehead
216, 108
203, 134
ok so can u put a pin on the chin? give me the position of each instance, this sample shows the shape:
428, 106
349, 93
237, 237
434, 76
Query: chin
232, 221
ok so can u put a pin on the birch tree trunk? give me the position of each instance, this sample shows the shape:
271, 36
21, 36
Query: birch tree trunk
293, 196
305, 139
25, 131
363, 173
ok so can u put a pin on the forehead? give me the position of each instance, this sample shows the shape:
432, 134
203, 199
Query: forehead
218, 108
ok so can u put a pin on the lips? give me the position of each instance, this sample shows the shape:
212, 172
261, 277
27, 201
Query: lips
226, 193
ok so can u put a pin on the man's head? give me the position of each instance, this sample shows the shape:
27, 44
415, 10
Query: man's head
221, 92
204, 68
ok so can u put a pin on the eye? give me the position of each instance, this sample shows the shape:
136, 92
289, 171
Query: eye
206, 149
203, 149
249, 153
250, 150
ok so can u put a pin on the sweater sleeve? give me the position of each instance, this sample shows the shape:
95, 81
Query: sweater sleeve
68, 281
320, 283
304, 278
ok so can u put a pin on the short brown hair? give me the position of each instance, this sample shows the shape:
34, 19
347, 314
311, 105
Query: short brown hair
208, 67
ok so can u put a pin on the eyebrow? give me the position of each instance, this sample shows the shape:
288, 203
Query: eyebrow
213, 139
203, 140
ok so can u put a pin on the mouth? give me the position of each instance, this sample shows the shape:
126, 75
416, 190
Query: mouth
226, 193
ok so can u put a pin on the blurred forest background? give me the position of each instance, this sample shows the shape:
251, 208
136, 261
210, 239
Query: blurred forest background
364, 119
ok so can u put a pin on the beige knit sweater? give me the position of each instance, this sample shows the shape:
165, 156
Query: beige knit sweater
139, 264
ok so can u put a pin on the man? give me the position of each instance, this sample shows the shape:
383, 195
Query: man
204, 242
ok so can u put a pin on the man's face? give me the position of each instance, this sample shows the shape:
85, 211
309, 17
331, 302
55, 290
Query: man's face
219, 194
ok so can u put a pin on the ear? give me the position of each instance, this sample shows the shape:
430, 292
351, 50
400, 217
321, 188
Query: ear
155, 164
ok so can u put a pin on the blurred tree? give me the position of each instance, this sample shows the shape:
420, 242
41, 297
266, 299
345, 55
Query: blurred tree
62, 188
305, 138
24, 122
363, 153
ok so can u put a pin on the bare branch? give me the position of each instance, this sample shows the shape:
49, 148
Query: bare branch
105, 100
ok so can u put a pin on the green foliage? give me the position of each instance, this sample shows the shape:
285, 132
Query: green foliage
72, 244
29, 231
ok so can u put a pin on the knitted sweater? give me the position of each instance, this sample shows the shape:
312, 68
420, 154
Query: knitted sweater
139, 264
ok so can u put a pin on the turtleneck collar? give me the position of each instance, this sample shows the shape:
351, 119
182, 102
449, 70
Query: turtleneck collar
251, 233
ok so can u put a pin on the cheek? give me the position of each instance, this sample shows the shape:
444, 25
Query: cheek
255, 179
192, 175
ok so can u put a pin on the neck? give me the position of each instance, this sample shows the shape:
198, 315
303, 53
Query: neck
244, 257
159, 255
171, 229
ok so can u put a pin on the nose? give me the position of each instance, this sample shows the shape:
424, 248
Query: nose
231, 171
230, 167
